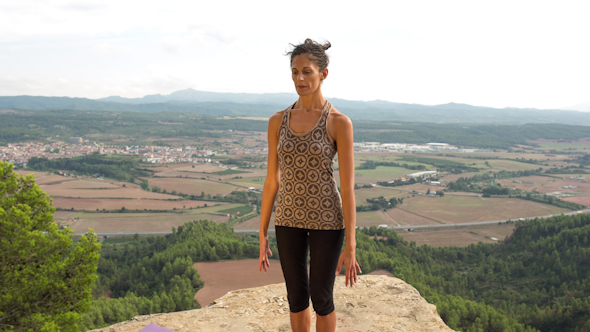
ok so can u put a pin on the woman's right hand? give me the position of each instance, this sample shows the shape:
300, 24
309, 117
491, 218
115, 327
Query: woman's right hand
263, 262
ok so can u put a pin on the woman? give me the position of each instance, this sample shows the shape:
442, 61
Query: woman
310, 212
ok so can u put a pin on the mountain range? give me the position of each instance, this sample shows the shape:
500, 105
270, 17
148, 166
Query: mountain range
265, 104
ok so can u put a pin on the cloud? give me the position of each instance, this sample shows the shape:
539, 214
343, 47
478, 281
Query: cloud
171, 44
110, 49
84, 6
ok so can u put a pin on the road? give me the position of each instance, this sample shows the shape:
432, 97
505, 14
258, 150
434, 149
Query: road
477, 223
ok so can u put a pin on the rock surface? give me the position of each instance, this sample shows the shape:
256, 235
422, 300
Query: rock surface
376, 303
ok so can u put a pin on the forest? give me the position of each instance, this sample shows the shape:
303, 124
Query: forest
537, 279
155, 274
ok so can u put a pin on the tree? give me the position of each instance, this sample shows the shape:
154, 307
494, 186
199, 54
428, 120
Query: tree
45, 281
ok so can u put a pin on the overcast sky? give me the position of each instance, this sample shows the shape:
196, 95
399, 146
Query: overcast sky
487, 53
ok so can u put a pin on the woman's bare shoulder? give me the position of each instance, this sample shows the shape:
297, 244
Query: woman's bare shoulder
276, 118
339, 119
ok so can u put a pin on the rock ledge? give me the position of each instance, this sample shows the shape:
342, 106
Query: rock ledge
376, 303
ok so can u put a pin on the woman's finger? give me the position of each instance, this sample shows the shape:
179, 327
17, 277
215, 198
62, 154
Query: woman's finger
339, 266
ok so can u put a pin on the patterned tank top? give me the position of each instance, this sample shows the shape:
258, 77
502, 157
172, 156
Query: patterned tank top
308, 197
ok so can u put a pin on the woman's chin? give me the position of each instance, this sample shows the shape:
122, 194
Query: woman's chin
303, 92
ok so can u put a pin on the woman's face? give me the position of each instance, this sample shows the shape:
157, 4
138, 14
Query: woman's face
306, 75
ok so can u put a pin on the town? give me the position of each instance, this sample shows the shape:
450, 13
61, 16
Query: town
20, 153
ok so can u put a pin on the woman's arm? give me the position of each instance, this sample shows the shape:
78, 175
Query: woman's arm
344, 139
269, 192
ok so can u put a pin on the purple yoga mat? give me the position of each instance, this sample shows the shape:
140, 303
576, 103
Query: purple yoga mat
155, 328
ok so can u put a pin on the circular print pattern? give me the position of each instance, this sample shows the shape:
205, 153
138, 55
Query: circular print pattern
313, 162
327, 190
307, 195
302, 147
289, 174
313, 203
288, 160
313, 189
312, 175
315, 148
287, 199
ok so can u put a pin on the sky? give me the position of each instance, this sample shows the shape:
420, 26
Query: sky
486, 53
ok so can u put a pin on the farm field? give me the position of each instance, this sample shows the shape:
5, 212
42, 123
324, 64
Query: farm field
583, 200
372, 218
87, 184
363, 219
92, 204
256, 182
510, 165
544, 184
61, 190
192, 186
35, 173
460, 209
138, 222
51, 178
404, 218
505, 155
383, 172
220, 277
455, 237
254, 223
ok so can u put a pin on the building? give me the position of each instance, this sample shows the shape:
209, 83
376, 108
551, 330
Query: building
425, 173
76, 140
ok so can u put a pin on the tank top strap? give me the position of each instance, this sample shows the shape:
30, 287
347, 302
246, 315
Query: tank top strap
286, 115
326, 112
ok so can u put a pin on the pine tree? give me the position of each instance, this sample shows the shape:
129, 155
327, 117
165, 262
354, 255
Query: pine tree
45, 282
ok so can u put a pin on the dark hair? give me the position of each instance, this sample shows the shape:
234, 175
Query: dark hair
315, 51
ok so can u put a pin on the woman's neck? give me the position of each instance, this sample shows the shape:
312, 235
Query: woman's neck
309, 102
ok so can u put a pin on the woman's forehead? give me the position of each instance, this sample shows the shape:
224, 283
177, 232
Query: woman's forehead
302, 61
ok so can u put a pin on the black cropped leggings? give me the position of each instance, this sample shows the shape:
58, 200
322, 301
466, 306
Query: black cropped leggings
324, 248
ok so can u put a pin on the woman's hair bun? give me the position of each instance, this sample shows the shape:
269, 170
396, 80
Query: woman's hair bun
325, 46
315, 50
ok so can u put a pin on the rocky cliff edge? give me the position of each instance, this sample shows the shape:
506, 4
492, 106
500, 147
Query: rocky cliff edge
376, 303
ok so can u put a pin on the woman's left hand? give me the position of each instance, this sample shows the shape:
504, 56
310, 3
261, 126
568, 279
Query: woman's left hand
351, 266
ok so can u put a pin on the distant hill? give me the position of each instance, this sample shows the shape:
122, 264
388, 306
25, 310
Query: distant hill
582, 107
265, 104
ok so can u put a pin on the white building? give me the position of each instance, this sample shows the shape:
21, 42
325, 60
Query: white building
425, 173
